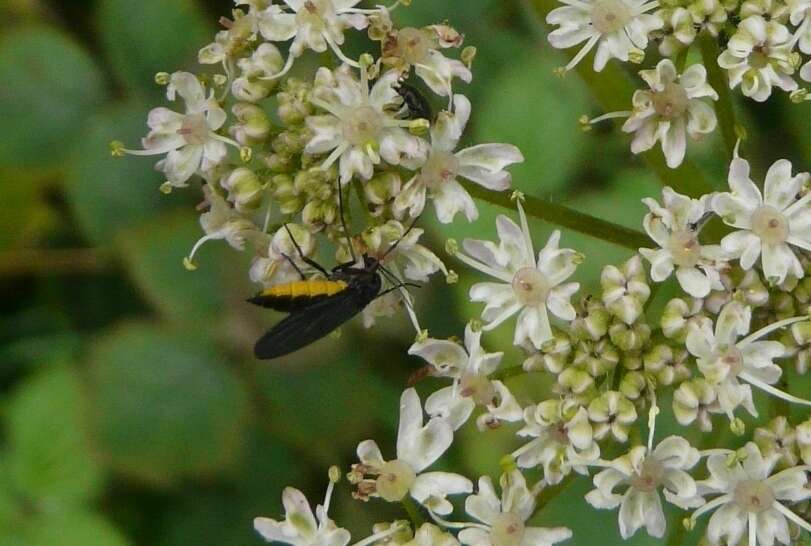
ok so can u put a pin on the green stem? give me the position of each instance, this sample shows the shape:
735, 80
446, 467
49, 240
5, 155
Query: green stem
413, 512
613, 91
564, 216
717, 79
512, 371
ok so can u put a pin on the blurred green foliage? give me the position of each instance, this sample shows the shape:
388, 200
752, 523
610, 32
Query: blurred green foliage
132, 411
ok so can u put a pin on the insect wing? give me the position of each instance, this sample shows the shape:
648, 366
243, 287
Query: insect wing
310, 324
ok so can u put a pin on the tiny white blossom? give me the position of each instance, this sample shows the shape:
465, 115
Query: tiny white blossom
469, 367
800, 11
313, 24
644, 472
418, 447
758, 57
505, 518
616, 27
751, 499
769, 223
483, 164
190, 140
725, 360
279, 266
419, 47
359, 128
525, 286
675, 226
221, 222
253, 85
300, 527
670, 110
563, 439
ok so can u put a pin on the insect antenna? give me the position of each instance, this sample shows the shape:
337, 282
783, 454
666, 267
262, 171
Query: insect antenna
305, 259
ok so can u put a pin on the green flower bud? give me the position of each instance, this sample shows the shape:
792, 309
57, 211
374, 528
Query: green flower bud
245, 189
629, 338
633, 384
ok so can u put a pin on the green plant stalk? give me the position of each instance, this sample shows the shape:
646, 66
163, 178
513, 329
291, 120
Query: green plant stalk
564, 216
413, 512
724, 109
613, 91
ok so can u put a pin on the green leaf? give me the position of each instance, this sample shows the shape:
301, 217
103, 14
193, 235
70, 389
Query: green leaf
108, 193
550, 138
50, 86
49, 459
164, 405
67, 529
154, 255
149, 36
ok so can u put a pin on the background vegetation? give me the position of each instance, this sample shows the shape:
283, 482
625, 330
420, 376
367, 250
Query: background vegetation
131, 410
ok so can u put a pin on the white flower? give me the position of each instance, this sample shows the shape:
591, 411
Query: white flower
505, 519
725, 361
675, 227
221, 222
525, 286
189, 139
801, 16
670, 110
419, 47
300, 527
563, 439
616, 27
469, 367
278, 267
751, 499
418, 447
768, 222
644, 472
313, 24
758, 56
431, 535
359, 128
483, 164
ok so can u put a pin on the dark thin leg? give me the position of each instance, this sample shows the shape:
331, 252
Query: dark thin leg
305, 259
343, 222
397, 242
289, 259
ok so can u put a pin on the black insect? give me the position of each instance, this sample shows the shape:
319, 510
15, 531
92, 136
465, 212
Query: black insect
416, 104
317, 307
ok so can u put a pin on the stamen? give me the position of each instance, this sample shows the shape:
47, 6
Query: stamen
287, 66
338, 52
394, 529
752, 529
712, 505
768, 330
582, 53
792, 516
486, 269
527, 235
654, 411
610, 115
456, 525
506, 314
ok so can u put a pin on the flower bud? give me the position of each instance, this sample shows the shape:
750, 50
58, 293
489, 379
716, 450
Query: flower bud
612, 413
252, 124
633, 384
245, 189
629, 338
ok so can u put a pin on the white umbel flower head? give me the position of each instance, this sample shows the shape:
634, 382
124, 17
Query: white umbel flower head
769, 223
359, 128
751, 500
300, 527
525, 286
644, 473
674, 226
483, 164
190, 140
671, 109
418, 447
616, 27
469, 367
758, 57
505, 519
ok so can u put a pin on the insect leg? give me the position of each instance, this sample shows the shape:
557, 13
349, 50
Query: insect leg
397, 242
299, 271
305, 259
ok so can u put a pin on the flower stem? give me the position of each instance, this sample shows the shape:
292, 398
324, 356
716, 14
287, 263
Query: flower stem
718, 80
613, 92
564, 216
413, 512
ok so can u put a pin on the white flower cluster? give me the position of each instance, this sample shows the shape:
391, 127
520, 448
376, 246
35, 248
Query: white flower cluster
281, 157
765, 45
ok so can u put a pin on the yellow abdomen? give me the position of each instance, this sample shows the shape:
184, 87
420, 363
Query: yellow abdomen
307, 289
